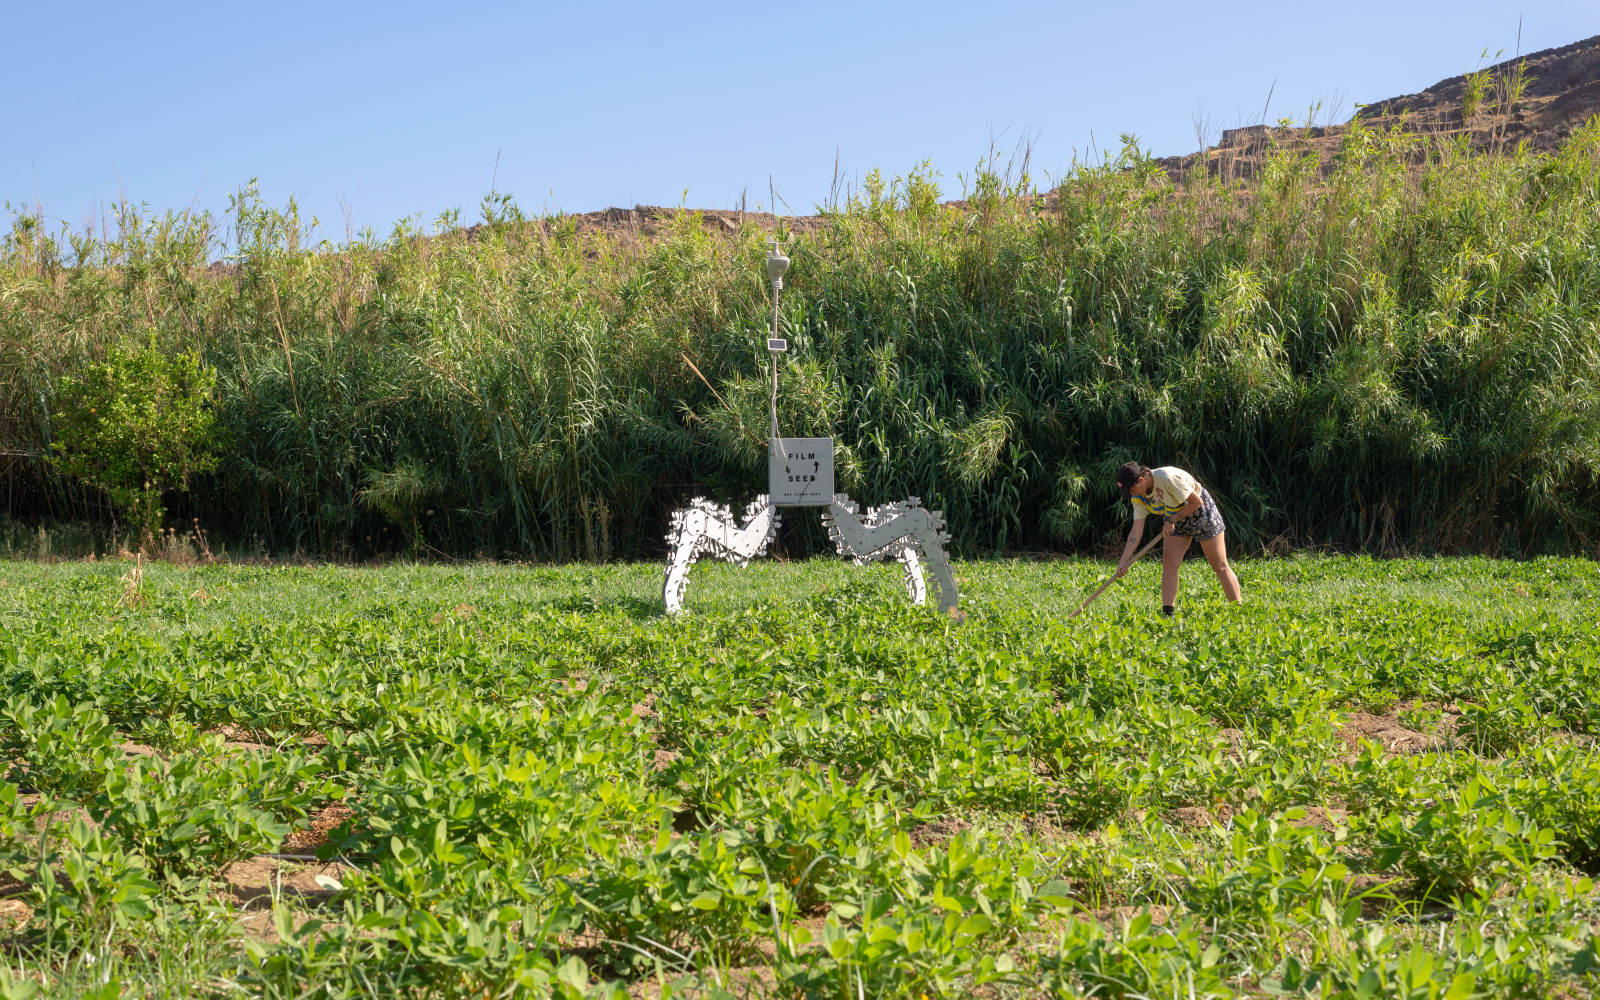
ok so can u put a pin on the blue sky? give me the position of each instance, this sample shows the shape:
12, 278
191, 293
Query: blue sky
387, 110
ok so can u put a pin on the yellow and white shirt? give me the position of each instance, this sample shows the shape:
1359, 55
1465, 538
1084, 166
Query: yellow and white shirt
1171, 491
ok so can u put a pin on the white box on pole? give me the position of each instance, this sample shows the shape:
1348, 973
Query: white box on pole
800, 471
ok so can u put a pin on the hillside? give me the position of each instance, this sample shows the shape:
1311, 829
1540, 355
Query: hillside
1559, 93
1562, 92
1538, 99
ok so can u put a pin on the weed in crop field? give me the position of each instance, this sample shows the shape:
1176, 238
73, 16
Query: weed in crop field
1373, 779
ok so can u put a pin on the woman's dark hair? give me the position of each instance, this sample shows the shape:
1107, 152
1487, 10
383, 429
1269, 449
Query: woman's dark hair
1130, 473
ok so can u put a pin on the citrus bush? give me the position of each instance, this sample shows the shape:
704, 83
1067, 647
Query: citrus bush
137, 425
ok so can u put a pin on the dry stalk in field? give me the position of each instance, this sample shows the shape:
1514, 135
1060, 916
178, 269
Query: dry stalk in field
133, 584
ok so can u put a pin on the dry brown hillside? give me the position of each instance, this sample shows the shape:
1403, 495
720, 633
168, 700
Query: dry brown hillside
1538, 99
1559, 91
1562, 92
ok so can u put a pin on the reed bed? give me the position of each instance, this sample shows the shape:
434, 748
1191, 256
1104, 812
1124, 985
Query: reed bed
1394, 353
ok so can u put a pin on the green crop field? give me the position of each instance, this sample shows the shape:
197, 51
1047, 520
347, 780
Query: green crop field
1375, 779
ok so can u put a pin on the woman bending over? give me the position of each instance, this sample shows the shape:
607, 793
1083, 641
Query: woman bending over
1189, 512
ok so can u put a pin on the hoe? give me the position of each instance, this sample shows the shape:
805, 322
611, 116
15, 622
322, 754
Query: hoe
1137, 556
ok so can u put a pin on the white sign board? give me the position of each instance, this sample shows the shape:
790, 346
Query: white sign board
800, 471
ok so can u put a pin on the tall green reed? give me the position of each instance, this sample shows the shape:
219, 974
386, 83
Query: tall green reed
1397, 353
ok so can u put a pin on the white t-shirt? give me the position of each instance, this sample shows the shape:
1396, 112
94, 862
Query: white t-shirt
1171, 491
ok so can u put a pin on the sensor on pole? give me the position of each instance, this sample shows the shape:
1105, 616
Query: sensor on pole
777, 263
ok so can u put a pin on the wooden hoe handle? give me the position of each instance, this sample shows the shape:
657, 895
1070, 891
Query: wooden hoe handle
1137, 556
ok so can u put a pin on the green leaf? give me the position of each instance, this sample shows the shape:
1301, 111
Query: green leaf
574, 973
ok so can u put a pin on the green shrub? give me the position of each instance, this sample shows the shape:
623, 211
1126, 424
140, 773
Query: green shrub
136, 425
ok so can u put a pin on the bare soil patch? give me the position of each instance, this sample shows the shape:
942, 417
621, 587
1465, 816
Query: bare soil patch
253, 883
1387, 730
322, 821
938, 832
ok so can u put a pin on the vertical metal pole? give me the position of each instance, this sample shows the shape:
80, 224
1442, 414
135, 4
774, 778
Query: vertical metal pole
777, 264
777, 285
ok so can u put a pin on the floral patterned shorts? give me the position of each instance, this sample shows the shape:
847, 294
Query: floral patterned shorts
1204, 523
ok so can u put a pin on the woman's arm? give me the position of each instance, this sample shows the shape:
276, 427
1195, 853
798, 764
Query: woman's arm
1193, 504
1132, 547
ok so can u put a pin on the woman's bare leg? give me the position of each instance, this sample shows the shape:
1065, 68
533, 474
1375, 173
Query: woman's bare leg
1216, 552
1172, 551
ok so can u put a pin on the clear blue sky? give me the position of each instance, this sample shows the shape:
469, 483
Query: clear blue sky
400, 108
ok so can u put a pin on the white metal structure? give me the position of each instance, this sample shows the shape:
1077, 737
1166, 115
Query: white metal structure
901, 531
706, 529
906, 531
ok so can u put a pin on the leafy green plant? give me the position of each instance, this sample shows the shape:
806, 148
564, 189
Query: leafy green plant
1273, 867
17, 989
22, 828
1411, 975
1566, 797
536, 804
100, 886
137, 425
1507, 718
396, 952
688, 895
1137, 959
1469, 843
904, 954
186, 816
57, 747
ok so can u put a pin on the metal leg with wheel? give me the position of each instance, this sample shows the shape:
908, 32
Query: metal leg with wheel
707, 530
901, 531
